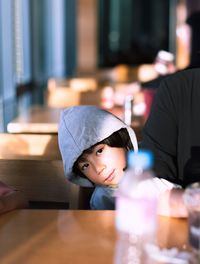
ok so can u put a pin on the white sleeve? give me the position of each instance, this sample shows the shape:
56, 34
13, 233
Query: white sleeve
155, 186
163, 185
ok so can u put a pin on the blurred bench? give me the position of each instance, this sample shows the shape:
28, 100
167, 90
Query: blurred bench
42, 181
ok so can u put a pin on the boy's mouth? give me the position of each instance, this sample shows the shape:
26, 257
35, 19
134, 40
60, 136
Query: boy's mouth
110, 176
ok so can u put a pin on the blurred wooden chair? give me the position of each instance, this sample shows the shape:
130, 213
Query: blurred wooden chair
119, 73
80, 84
29, 146
91, 98
83, 84
61, 97
70, 92
66, 97
146, 72
57, 82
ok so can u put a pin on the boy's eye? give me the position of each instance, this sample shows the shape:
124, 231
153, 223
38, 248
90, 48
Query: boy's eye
99, 151
84, 166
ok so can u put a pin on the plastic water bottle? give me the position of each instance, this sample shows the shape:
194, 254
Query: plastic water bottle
128, 109
136, 210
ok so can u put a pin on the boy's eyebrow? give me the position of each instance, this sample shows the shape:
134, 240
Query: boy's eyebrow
82, 159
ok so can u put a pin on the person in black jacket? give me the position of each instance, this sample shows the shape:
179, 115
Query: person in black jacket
172, 131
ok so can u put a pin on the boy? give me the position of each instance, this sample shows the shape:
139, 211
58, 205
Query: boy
93, 145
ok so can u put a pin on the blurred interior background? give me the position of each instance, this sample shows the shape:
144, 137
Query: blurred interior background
50, 43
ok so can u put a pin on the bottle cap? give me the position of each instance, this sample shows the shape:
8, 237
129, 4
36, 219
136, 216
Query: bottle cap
141, 159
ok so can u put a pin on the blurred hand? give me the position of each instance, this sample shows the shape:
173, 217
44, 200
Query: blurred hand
13, 200
171, 204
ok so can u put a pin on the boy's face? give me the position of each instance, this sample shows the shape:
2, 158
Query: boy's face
104, 165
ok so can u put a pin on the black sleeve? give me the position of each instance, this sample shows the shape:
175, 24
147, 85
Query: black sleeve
160, 132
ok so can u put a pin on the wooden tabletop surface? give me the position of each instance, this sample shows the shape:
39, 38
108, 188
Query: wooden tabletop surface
67, 236
39, 119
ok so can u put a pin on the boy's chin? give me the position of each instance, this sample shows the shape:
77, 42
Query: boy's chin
109, 184
113, 184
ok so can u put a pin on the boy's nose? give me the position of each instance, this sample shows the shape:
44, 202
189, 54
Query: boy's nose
99, 168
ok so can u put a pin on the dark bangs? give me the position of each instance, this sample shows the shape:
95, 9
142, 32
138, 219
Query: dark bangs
119, 139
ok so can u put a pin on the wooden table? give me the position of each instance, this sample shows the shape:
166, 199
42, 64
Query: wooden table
66, 236
39, 119
52, 236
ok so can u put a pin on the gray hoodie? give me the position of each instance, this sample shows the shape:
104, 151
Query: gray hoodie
80, 128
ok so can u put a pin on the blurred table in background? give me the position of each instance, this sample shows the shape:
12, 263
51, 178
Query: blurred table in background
67, 236
29, 146
37, 119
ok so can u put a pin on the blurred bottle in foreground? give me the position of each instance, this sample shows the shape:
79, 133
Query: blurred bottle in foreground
136, 210
107, 97
128, 109
192, 202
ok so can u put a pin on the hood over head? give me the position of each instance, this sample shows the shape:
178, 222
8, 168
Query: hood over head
80, 128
